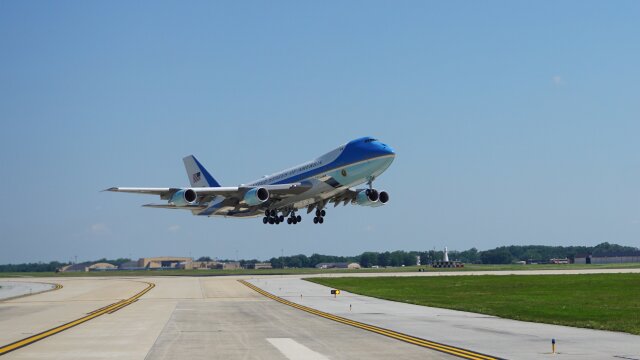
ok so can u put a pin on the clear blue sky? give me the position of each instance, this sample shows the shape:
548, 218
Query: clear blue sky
515, 122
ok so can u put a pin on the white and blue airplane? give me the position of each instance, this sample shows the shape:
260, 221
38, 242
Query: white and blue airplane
311, 185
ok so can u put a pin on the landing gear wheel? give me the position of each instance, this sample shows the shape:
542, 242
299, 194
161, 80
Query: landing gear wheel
321, 220
271, 222
294, 220
315, 220
277, 221
273, 213
289, 221
265, 220
317, 212
323, 213
281, 218
266, 212
298, 218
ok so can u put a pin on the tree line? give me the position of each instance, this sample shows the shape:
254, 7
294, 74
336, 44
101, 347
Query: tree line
499, 255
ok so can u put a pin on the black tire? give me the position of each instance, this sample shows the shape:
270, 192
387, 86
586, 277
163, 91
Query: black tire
298, 218
273, 213
265, 220
289, 221
277, 221
271, 222
315, 220
323, 213
294, 221
266, 212
317, 212
321, 220
281, 218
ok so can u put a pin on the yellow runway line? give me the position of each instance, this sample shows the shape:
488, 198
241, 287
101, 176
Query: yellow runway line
452, 350
92, 315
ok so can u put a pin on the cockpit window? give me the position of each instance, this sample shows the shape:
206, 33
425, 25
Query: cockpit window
370, 140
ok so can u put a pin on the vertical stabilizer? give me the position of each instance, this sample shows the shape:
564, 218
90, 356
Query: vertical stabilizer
198, 175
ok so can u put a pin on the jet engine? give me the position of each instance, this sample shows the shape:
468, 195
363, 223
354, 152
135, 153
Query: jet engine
366, 197
256, 196
183, 197
371, 197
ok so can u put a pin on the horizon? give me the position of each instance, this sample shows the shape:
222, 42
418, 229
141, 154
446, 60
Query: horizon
216, 258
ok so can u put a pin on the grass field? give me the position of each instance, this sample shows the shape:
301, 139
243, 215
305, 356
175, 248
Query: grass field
470, 267
599, 301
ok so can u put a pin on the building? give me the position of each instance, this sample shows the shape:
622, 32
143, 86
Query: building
206, 265
231, 265
614, 258
88, 266
166, 262
338, 266
130, 265
445, 262
261, 265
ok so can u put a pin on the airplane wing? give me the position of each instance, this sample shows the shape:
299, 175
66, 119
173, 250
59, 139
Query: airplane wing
276, 191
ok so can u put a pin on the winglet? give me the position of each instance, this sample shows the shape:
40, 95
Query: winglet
198, 175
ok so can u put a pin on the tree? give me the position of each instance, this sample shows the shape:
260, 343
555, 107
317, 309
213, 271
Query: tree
496, 256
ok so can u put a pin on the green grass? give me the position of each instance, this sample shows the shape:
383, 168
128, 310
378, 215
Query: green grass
470, 267
599, 301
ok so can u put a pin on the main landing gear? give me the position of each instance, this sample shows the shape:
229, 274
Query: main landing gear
319, 219
272, 217
293, 218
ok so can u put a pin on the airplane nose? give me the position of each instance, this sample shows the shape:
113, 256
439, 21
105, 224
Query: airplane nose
386, 149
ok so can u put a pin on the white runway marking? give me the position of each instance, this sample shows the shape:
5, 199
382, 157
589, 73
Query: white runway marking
294, 350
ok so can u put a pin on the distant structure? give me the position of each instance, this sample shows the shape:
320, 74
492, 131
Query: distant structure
338, 266
261, 265
231, 265
616, 258
159, 263
88, 266
206, 265
446, 263
166, 262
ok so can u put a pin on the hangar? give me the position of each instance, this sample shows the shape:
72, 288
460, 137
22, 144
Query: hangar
615, 258
166, 262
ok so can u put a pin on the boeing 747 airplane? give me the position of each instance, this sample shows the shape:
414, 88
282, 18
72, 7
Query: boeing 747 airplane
312, 185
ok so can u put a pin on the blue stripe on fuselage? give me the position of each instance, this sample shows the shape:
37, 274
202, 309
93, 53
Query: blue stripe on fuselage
355, 151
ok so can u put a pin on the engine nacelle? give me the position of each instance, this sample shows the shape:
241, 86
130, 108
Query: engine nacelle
366, 197
256, 196
383, 198
183, 197
371, 197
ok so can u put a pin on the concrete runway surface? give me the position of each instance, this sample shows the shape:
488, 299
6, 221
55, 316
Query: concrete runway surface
215, 317
15, 288
183, 318
504, 338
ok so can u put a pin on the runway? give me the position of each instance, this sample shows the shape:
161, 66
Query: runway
211, 317
196, 318
504, 338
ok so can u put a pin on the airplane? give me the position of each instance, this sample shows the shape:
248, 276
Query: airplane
311, 185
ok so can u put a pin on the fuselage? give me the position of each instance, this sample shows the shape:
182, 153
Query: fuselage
357, 162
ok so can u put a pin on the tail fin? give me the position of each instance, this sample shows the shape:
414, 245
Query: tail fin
198, 175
